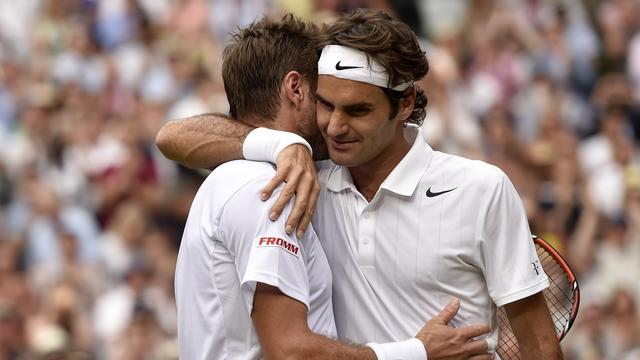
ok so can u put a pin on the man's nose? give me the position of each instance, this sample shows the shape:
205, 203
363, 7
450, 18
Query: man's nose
337, 124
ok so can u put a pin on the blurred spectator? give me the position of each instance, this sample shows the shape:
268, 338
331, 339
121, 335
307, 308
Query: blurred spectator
43, 220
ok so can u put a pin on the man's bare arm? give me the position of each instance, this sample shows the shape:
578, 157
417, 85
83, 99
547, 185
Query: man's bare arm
203, 141
533, 327
281, 324
209, 140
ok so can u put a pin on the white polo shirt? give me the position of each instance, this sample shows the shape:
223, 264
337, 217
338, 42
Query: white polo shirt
440, 226
229, 245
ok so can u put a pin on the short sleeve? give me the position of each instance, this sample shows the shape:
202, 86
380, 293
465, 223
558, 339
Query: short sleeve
262, 250
509, 259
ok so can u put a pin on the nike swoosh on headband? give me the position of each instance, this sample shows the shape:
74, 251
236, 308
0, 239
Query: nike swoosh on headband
338, 67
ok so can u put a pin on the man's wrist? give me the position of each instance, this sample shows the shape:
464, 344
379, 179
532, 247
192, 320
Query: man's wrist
263, 144
412, 349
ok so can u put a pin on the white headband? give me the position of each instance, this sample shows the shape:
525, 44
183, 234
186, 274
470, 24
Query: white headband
351, 64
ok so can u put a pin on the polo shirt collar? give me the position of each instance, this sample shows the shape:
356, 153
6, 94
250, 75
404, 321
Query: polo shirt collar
403, 180
340, 179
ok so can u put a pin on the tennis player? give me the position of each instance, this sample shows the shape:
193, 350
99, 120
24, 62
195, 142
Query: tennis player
421, 225
244, 287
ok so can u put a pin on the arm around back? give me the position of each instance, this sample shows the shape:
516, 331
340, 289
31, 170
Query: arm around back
209, 140
203, 141
281, 324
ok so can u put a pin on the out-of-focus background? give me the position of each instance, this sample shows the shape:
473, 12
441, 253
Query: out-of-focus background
91, 214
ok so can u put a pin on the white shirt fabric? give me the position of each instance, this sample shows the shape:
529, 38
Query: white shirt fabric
228, 245
398, 260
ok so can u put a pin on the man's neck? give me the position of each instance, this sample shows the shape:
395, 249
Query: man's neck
281, 122
368, 177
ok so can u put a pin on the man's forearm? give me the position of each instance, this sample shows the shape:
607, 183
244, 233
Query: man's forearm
281, 325
312, 346
203, 141
533, 328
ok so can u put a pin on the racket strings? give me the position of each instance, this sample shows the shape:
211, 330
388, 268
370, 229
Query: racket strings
559, 294
559, 297
507, 343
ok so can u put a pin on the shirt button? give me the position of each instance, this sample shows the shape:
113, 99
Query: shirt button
367, 215
365, 241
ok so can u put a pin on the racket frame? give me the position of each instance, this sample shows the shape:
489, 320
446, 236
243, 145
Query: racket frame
575, 301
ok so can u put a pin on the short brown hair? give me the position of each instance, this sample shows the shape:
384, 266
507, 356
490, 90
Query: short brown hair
391, 43
259, 56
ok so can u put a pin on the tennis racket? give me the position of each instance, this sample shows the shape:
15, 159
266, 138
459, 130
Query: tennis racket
562, 295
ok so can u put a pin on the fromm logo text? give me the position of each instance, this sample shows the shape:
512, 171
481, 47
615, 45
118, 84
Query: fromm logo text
274, 241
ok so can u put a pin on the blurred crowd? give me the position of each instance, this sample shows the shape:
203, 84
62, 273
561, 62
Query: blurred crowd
91, 214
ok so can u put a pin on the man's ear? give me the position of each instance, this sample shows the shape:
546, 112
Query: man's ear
406, 104
295, 88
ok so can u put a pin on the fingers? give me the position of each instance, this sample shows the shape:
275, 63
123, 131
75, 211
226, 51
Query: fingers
277, 179
308, 215
295, 167
472, 331
448, 312
306, 188
286, 194
476, 347
301, 205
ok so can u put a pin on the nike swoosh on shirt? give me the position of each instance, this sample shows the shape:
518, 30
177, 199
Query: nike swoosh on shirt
433, 194
338, 67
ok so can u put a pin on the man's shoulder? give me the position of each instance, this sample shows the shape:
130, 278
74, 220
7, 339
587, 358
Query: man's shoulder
476, 172
229, 178
239, 172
